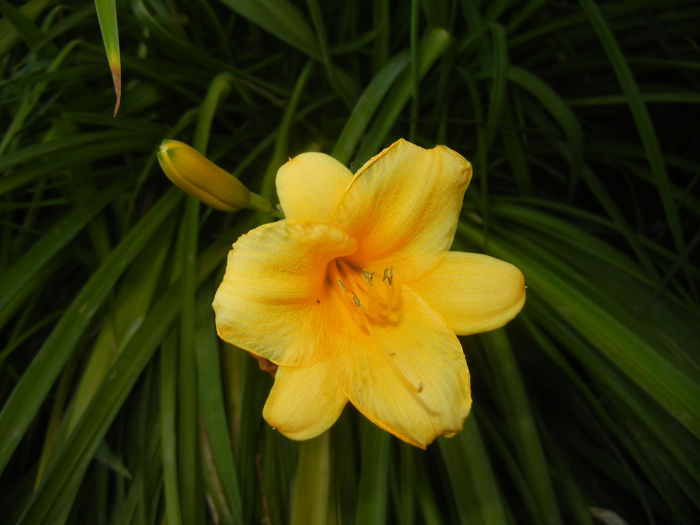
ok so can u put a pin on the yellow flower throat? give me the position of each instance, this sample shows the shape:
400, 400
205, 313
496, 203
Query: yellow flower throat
372, 301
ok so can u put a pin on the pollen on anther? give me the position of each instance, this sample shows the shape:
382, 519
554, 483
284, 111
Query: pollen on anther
420, 388
388, 276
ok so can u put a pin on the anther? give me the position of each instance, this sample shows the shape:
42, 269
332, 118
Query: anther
356, 300
342, 285
388, 276
368, 276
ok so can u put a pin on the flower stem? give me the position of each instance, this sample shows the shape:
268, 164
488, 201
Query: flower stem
261, 204
311, 485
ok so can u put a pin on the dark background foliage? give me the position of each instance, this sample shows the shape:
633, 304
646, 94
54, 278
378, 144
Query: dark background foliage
581, 120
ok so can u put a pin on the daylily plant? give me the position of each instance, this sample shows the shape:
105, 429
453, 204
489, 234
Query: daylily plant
356, 296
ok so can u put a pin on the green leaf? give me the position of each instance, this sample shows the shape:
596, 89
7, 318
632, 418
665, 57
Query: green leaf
634, 356
366, 107
281, 19
11, 26
16, 282
641, 117
107, 16
213, 409
515, 406
31, 390
474, 487
432, 46
65, 472
372, 487
312, 482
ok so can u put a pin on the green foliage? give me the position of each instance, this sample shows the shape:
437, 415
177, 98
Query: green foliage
119, 404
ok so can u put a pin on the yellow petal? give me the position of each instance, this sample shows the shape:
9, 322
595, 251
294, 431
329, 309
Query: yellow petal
193, 173
408, 377
473, 292
402, 207
271, 301
310, 185
305, 401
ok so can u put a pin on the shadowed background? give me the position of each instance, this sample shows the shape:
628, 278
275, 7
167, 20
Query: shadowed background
581, 119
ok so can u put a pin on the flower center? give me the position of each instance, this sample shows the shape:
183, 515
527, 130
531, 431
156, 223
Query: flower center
374, 301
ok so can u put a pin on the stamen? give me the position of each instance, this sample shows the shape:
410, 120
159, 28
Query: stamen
375, 304
373, 301
388, 275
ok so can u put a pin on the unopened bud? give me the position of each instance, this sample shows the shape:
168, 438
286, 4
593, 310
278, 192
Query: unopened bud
193, 173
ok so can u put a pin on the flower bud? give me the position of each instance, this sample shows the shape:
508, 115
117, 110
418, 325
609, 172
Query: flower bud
193, 173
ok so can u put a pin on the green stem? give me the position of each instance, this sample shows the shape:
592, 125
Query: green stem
311, 486
261, 204
218, 89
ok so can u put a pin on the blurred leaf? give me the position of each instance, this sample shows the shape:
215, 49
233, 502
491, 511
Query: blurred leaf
27, 396
514, 404
666, 383
579, 123
640, 114
66, 470
372, 487
472, 481
280, 18
16, 282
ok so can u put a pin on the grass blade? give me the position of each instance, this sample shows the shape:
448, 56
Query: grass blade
655, 374
107, 16
519, 418
472, 481
641, 117
65, 473
26, 398
16, 281
280, 18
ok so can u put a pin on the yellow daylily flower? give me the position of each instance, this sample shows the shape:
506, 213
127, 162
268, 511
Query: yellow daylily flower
356, 296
